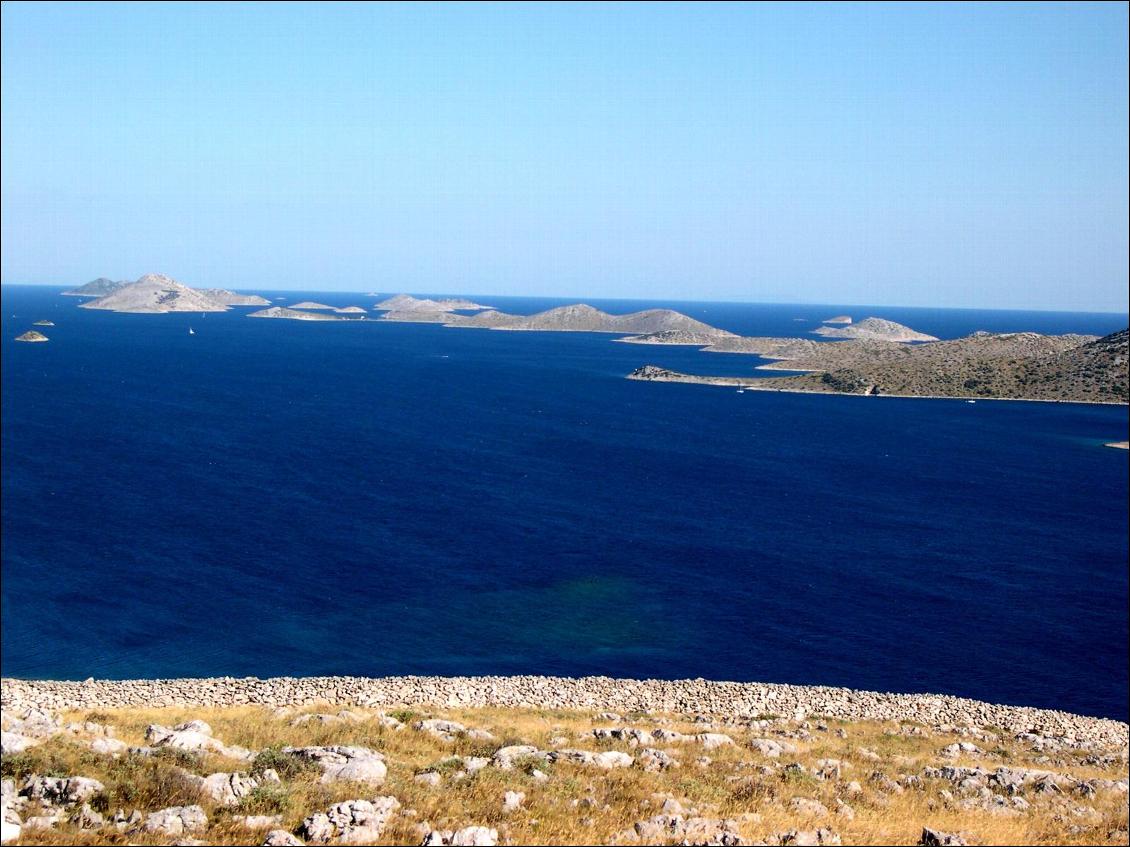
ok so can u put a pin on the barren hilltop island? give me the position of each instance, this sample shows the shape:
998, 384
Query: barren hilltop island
874, 357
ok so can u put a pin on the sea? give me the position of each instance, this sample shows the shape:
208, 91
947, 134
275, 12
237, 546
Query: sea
272, 497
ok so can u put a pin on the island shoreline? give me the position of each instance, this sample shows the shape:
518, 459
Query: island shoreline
749, 384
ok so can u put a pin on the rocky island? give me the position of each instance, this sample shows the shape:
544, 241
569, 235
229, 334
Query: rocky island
579, 317
156, 294
543, 760
44, 323
97, 288
873, 329
296, 315
32, 336
838, 319
408, 303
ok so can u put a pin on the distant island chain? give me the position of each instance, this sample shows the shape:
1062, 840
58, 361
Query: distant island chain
869, 357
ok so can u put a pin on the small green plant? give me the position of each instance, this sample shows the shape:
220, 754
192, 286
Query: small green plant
146, 783
187, 759
284, 764
404, 715
46, 760
267, 799
529, 764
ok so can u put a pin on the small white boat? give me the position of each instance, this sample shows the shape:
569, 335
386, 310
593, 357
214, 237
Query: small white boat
190, 331
970, 401
741, 389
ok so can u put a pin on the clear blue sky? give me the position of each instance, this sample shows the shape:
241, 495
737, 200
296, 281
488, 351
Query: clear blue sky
956, 155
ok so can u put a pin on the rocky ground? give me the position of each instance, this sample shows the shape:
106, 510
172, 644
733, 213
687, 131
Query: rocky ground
426, 771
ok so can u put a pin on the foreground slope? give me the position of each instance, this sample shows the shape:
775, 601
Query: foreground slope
360, 766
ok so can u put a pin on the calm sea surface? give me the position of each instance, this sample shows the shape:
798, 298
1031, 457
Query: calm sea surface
277, 497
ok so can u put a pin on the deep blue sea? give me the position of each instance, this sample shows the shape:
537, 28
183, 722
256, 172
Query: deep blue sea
277, 497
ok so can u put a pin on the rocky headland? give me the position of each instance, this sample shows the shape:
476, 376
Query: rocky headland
1016, 366
542, 760
156, 294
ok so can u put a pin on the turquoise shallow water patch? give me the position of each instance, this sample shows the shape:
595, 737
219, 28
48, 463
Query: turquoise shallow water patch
275, 497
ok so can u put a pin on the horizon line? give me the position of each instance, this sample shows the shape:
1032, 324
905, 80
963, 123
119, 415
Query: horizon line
582, 298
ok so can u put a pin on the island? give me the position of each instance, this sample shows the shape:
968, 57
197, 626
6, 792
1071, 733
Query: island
408, 303
44, 323
157, 294
97, 288
838, 319
309, 304
297, 315
349, 310
873, 329
1015, 366
31, 336
232, 298
579, 317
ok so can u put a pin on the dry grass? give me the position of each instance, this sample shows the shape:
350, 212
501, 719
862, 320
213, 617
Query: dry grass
577, 804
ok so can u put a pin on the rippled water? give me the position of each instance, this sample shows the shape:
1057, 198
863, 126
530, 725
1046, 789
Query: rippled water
277, 497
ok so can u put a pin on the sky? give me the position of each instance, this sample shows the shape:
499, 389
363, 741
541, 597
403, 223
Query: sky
967, 155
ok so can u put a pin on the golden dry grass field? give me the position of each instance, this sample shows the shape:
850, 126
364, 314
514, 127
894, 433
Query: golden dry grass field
877, 793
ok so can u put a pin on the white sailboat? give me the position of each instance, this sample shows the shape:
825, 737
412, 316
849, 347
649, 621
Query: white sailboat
190, 331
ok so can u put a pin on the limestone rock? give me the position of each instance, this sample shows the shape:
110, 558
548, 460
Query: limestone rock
60, 791
12, 743
612, 759
108, 746
505, 757
341, 763
712, 740
651, 759
227, 789
450, 730
807, 808
771, 747
351, 822
176, 820
469, 836
257, 821
935, 838
194, 736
